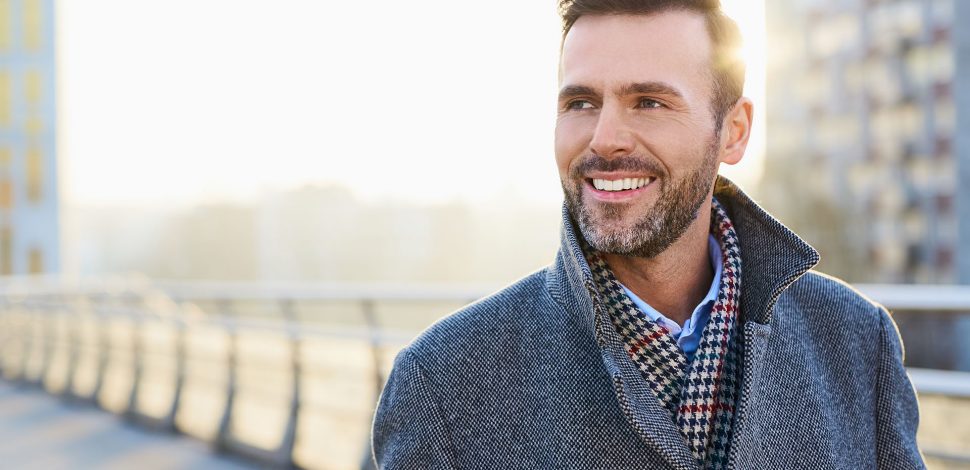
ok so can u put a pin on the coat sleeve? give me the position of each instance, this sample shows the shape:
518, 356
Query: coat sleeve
409, 430
897, 411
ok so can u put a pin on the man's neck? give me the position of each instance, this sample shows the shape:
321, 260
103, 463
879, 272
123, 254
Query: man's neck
674, 281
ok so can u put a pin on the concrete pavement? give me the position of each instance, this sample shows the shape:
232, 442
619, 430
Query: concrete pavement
40, 431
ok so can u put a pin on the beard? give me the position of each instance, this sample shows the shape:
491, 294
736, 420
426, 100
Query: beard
624, 229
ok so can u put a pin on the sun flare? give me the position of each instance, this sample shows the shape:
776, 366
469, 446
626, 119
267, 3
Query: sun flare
750, 16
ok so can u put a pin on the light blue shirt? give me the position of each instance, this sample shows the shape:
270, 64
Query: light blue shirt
689, 334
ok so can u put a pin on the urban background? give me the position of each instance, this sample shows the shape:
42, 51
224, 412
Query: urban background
221, 220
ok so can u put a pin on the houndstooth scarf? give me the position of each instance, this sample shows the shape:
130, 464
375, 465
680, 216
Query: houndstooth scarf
700, 395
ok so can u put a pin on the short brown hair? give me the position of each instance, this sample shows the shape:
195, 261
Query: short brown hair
727, 67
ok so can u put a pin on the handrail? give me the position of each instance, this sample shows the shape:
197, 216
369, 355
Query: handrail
250, 290
941, 382
919, 297
40, 301
904, 297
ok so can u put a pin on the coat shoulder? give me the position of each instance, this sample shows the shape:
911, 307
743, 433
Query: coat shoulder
831, 311
826, 300
496, 324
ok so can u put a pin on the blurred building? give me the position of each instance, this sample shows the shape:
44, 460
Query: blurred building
869, 134
29, 225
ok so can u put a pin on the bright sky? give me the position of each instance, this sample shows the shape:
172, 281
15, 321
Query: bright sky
183, 101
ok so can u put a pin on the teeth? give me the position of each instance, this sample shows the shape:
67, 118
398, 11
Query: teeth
622, 184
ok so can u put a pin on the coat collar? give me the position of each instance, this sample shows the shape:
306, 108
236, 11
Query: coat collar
772, 258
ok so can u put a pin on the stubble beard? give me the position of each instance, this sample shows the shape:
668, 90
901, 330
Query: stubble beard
677, 206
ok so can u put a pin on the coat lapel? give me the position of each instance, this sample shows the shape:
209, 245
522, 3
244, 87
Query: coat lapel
744, 437
640, 405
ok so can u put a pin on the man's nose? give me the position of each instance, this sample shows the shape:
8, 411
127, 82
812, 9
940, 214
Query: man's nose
612, 136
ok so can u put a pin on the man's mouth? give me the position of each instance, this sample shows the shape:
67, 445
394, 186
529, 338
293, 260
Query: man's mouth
624, 184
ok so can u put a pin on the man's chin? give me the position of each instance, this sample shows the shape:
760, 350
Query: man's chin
617, 217
608, 237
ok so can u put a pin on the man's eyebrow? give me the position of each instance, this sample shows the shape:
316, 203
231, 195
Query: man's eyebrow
647, 88
570, 91
650, 88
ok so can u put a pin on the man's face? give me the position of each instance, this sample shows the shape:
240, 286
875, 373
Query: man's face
636, 142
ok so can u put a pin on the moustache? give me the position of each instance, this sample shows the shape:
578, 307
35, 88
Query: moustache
631, 163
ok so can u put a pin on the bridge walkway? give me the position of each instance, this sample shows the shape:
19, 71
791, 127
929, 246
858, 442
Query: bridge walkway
41, 431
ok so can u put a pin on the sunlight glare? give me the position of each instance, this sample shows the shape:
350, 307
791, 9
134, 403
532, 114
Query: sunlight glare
397, 106
750, 16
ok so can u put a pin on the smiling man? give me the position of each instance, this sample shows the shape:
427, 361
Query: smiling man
680, 326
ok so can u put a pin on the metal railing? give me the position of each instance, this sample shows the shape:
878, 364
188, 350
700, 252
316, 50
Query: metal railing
262, 370
52, 334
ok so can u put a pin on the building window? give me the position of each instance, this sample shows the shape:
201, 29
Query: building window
909, 118
34, 126
833, 35
942, 146
6, 194
6, 251
945, 258
914, 255
945, 117
33, 87
35, 175
6, 99
5, 25
6, 185
33, 24
35, 261
944, 204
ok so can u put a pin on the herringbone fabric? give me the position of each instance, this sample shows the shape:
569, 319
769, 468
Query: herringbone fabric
700, 395
533, 377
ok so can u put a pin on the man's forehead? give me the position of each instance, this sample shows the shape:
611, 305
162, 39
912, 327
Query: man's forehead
671, 46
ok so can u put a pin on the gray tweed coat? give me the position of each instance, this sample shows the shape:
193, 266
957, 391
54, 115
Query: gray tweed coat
519, 379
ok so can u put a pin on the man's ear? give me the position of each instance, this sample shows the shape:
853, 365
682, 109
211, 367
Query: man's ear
736, 130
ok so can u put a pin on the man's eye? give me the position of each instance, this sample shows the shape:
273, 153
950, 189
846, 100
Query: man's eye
649, 103
579, 104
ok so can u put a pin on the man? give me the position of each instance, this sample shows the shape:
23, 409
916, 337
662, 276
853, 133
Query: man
680, 326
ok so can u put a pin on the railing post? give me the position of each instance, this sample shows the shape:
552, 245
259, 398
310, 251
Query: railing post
225, 422
293, 332
10, 333
48, 328
42, 325
73, 348
84, 312
28, 342
180, 360
374, 333
54, 316
103, 347
137, 358
5, 328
